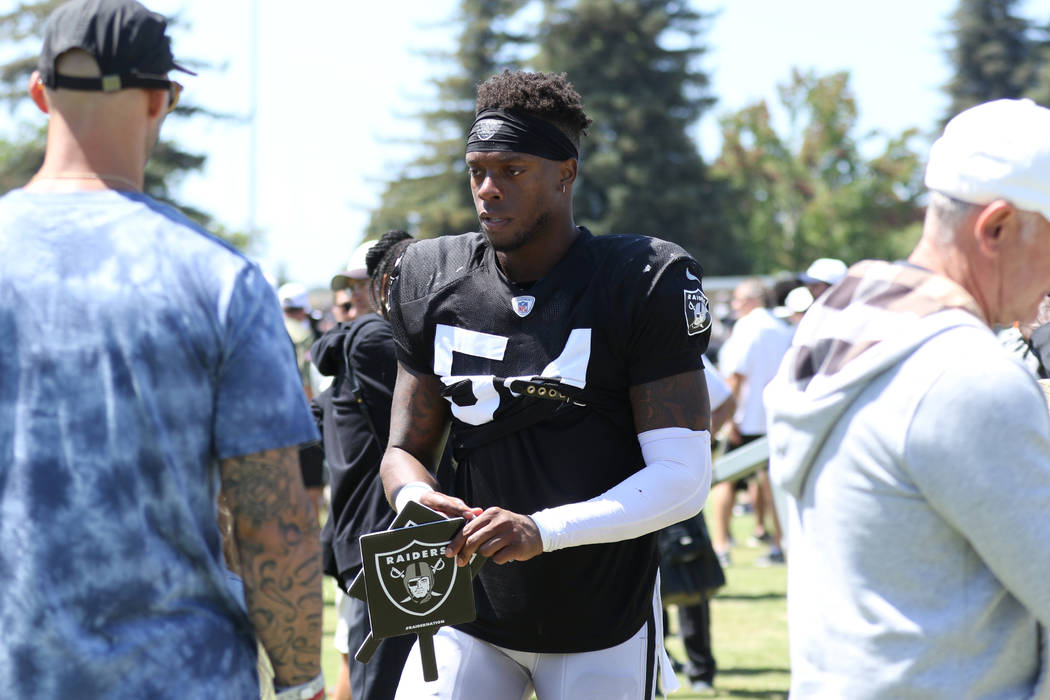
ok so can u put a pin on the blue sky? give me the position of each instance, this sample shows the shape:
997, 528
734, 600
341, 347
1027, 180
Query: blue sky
339, 84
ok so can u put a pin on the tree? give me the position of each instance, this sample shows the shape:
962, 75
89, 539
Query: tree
634, 63
21, 157
431, 196
992, 52
810, 192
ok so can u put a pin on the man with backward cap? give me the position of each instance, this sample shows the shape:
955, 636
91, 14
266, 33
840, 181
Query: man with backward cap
916, 453
145, 365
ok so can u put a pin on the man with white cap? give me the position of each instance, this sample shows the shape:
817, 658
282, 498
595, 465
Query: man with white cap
916, 453
821, 274
350, 286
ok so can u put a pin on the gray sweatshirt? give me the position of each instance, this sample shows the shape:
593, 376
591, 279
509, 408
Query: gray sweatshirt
916, 456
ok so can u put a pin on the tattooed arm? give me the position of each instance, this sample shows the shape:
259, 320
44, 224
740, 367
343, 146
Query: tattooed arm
419, 419
276, 536
678, 401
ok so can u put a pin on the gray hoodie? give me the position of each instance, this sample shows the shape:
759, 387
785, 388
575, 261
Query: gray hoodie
916, 456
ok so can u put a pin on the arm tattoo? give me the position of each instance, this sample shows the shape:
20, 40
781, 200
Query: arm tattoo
419, 416
676, 401
278, 542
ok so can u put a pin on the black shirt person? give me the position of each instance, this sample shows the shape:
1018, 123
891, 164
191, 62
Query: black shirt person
568, 368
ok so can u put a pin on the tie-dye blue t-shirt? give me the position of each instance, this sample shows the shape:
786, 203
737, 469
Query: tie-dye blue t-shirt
135, 352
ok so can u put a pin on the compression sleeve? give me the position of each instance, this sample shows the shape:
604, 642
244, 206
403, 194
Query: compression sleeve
671, 487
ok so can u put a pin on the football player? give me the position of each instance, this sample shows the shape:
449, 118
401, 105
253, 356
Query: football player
569, 368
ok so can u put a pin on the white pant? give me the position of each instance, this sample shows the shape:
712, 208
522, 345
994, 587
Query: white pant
342, 623
471, 669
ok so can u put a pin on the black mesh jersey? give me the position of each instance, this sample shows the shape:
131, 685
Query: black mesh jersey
537, 379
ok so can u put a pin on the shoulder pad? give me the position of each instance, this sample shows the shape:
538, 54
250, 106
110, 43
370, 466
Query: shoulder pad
434, 262
643, 257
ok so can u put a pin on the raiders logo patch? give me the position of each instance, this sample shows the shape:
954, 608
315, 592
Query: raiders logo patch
697, 313
487, 128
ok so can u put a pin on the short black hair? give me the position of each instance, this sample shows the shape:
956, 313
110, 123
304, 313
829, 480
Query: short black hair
380, 260
549, 96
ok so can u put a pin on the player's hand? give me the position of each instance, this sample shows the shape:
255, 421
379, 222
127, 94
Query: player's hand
449, 506
498, 534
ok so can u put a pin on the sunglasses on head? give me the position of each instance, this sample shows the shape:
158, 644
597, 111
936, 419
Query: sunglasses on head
174, 92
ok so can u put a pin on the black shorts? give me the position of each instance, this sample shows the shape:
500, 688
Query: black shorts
741, 484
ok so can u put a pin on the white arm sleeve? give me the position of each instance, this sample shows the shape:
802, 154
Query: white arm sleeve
671, 487
412, 491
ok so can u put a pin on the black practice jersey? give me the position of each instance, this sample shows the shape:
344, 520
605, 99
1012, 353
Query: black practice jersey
537, 379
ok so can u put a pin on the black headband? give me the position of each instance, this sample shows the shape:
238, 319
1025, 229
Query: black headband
496, 130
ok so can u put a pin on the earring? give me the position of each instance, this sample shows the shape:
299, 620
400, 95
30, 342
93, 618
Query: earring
563, 189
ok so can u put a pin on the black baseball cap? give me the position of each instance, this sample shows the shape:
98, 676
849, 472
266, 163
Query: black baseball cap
127, 41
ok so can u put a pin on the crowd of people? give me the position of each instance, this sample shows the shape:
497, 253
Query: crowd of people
547, 385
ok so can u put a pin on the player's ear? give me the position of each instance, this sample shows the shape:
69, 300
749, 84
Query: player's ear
567, 173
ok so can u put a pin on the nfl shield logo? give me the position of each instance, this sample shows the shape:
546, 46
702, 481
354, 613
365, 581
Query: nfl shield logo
697, 315
522, 305
416, 578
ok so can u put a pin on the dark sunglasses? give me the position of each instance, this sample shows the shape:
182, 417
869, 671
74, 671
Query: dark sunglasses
346, 306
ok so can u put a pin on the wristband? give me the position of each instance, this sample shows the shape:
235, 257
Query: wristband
412, 491
311, 690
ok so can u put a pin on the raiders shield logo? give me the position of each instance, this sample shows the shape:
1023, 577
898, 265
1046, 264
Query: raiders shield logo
487, 128
416, 578
522, 305
697, 315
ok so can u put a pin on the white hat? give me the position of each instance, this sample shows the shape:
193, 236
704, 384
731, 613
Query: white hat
293, 296
826, 270
798, 300
355, 268
996, 150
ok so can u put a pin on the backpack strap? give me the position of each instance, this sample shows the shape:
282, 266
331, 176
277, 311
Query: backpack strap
351, 378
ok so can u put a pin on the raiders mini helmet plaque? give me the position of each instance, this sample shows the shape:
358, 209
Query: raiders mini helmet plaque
410, 586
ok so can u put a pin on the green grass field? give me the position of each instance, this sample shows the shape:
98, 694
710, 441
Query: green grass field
748, 627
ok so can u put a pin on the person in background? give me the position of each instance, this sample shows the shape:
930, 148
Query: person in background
915, 452
821, 274
748, 360
342, 306
295, 301
694, 621
351, 285
354, 417
298, 325
145, 364
579, 429
1029, 340
797, 302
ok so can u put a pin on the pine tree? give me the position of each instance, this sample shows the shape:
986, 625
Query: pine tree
432, 195
634, 62
992, 54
